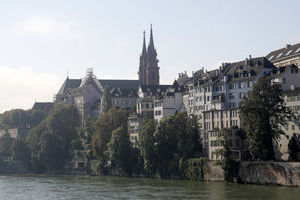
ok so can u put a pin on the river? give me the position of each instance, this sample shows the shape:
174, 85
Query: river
43, 187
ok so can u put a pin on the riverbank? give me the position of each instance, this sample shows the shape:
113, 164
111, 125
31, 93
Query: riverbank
250, 172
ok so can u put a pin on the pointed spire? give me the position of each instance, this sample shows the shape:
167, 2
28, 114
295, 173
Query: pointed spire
144, 45
151, 43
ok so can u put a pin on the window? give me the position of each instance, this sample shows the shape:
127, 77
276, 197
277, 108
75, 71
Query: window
279, 55
271, 57
293, 127
208, 97
288, 53
147, 105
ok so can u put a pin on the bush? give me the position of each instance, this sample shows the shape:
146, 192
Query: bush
195, 169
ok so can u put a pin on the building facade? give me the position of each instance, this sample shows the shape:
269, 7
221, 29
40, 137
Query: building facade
214, 96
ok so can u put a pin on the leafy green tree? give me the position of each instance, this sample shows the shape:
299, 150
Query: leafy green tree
166, 147
119, 149
52, 139
20, 151
188, 139
294, 147
33, 138
52, 154
86, 133
264, 113
14, 119
104, 127
5, 144
35, 117
146, 146
106, 101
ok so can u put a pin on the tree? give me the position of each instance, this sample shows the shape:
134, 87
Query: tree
119, 149
264, 113
5, 144
14, 119
188, 139
106, 101
20, 151
52, 154
166, 147
86, 133
294, 147
51, 140
146, 146
229, 165
104, 127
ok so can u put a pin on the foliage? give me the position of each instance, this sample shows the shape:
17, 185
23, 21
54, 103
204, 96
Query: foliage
21, 119
195, 169
5, 144
52, 154
14, 119
106, 101
118, 150
86, 133
264, 113
146, 146
229, 165
294, 147
188, 139
51, 140
104, 127
20, 151
165, 146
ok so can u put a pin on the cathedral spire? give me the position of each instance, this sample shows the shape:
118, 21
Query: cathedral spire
144, 45
151, 43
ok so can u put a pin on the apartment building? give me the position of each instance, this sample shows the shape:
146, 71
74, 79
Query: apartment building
214, 96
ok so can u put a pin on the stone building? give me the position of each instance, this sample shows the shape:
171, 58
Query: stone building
214, 96
86, 93
285, 56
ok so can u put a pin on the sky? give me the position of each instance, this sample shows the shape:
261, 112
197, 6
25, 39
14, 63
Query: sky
41, 42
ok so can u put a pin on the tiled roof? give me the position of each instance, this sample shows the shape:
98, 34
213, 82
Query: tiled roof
288, 51
114, 83
75, 83
43, 106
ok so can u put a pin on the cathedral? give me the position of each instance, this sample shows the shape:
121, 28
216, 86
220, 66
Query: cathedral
86, 93
148, 69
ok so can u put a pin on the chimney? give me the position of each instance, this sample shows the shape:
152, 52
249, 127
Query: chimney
288, 46
250, 57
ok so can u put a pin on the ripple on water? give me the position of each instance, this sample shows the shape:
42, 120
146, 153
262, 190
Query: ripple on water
43, 187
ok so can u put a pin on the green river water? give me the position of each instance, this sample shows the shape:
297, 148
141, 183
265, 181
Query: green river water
83, 187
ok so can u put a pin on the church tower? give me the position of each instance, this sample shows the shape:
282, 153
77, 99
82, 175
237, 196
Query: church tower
148, 69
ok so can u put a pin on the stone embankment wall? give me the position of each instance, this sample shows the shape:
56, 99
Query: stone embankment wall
278, 173
214, 172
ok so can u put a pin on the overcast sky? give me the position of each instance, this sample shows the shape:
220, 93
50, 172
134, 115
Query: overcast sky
43, 41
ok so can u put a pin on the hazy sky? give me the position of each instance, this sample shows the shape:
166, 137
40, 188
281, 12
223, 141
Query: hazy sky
42, 41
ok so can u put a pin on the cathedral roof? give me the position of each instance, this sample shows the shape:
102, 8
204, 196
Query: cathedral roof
112, 83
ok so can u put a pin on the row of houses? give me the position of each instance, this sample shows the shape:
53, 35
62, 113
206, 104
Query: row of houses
214, 97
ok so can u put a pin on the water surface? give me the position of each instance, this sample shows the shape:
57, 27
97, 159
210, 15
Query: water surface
83, 187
